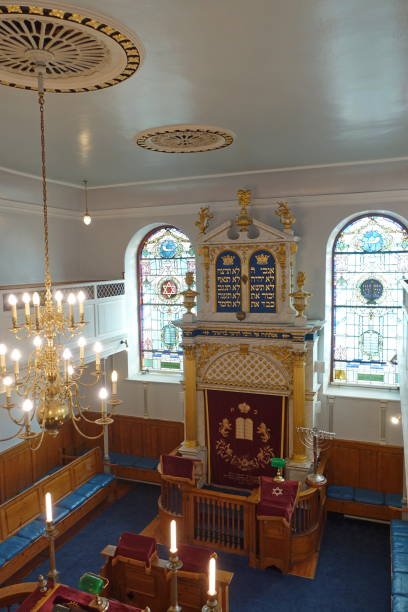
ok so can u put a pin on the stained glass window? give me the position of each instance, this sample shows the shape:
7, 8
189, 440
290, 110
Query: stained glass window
370, 257
164, 257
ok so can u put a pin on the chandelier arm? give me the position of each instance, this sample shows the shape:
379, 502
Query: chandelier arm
13, 436
97, 379
35, 448
85, 435
15, 421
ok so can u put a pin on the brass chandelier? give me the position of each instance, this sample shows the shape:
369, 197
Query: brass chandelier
50, 382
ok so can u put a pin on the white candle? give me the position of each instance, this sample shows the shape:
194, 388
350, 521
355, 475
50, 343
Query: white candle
81, 344
211, 577
103, 394
97, 349
7, 382
36, 302
114, 379
48, 508
58, 299
26, 300
16, 356
81, 299
13, 303
71, 302
173, 537
3, 351
66, 355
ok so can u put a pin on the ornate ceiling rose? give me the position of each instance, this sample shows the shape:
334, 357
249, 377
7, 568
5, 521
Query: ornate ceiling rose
81, 51
184, 138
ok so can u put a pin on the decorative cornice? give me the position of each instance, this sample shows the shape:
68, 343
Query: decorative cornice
13, 206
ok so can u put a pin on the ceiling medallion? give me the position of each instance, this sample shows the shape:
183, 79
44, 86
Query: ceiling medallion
80, 51
184, 138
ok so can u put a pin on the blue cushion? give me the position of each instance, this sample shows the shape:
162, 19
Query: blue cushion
12, 546
101, 479
399, 583
58, 513
144, 463
399, 603
398, 526
72, 501
32, 531
399, 561
87, 490
338, 492
368, 496
393, 499
399, 544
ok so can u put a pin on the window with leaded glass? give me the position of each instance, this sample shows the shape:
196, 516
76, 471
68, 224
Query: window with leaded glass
370, 257
164, 257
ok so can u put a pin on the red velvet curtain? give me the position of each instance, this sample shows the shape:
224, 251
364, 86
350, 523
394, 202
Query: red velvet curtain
244, 431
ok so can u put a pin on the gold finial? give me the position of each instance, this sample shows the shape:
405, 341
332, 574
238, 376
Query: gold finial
243, 220
300, 297
189, 294
203, 217
285, 214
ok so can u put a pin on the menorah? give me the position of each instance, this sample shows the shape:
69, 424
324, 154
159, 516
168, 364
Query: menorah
318, 440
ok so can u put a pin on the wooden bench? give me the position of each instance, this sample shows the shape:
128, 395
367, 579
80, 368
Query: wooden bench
75, 493
131, 580
364, 503
134, 467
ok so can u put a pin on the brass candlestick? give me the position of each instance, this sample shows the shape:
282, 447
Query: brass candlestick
212, 603
51, 533
174, 565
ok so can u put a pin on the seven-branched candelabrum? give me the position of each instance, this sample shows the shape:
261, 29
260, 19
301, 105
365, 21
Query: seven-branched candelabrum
49, 383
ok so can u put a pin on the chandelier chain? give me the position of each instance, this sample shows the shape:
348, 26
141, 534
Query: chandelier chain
44, 190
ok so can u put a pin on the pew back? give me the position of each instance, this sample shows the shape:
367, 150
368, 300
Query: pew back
29, 504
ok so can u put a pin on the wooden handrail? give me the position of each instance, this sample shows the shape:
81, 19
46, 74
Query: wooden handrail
16, 593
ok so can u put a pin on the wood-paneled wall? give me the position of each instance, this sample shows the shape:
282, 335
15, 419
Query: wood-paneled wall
20, 466
135, 436
366, 465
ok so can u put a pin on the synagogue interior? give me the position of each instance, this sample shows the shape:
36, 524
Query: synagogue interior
204, 306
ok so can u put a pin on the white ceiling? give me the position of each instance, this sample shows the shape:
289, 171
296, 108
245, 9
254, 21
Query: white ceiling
299, 82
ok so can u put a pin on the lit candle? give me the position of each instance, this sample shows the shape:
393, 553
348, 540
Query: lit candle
27, 408
97, 349
173, 537
26, 300
48, 508
37, 343
71, 302
103, 394
16, 356
7, 382
66, 355
81, 300
36, 302
12, 300
82, 344
114, 379
211, 577
3, 351
70, 371
58, 299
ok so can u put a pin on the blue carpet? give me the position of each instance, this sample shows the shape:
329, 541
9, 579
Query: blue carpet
352, 576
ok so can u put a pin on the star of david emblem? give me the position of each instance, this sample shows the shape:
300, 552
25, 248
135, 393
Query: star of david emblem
277, 491
168, 289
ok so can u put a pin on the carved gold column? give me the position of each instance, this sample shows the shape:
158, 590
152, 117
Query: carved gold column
190, 396
299, 363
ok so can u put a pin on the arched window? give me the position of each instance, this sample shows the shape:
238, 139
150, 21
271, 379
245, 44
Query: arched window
164, 257
370, 257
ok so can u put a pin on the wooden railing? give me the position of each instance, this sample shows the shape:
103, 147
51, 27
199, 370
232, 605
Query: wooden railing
15, 594
229, 522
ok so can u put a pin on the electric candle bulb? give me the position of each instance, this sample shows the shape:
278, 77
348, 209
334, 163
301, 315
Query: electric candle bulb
36, 299
114, 379
16, 356
58, 299
81, 344
12, 300
48, 508
97, 349
3, 351
70, 370
26, 301
211, 578
7, 382
37, 342
71, 302
27, 405
81, 299
103, 394
66, 354
87, 219
173, 537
